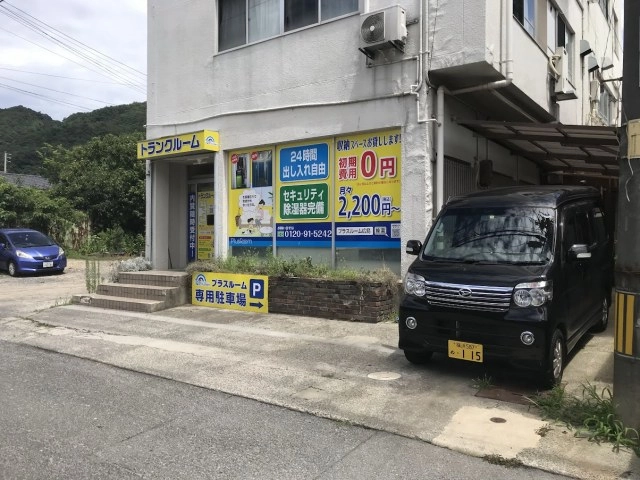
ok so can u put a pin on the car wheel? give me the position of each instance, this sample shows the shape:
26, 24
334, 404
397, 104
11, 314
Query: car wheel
552, 375
601, 326
59, 272
418, 358
13, 270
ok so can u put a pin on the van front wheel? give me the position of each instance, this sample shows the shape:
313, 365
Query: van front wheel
552, 375
418, 358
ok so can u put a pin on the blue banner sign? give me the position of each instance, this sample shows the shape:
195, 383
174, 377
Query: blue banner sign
303, 163
303, 234
368, 235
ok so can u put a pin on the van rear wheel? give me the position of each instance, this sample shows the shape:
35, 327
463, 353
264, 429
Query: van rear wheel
418, 358
552, 374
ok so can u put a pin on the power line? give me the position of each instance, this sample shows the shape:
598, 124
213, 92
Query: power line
58, 91
44, 97
135, 87
60, 76
112, 67
82, 44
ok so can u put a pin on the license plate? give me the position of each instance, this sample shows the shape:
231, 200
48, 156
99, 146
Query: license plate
471, 352
47, 264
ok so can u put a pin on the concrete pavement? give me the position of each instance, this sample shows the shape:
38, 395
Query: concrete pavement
340, 370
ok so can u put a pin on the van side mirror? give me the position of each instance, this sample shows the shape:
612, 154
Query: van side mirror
413, 247
579, 251
2, 246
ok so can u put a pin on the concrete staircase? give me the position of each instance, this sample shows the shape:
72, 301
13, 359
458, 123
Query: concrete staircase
147, 291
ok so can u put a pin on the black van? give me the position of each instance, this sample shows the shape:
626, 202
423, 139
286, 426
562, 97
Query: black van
517, 274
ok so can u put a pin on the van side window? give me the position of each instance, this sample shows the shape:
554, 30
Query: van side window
576, 228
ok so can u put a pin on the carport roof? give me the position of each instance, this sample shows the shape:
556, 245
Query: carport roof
573, 150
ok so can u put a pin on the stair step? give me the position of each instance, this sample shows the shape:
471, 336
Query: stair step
118, 303
167, 278
127, 290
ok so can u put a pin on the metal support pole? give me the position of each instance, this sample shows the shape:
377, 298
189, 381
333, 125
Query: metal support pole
626, 364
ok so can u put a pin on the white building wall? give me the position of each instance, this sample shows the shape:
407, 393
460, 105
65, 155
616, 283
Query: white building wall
314, 83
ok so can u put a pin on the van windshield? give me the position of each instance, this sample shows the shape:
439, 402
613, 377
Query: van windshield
516, 235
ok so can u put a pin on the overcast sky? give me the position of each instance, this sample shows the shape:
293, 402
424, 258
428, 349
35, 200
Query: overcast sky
81, 50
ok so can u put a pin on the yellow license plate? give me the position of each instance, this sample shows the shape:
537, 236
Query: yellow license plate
471, 352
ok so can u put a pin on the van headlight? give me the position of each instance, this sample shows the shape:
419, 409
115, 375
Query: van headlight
532, 294
415, 285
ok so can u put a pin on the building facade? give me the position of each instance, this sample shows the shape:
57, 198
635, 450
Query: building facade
335, 129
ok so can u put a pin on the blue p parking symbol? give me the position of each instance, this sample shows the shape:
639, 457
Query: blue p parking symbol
256, 288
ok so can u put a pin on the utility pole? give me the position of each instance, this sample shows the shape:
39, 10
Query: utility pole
626, 362
7, 156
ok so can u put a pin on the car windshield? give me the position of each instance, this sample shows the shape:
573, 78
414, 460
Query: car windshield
29, 239
516, 235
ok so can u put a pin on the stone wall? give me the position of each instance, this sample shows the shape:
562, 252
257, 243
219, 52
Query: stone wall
335, 299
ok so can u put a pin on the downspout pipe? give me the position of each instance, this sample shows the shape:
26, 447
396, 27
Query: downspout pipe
415, 89
506, 60
439, 149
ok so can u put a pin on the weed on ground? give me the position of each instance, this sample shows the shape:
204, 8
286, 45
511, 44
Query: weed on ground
591, 416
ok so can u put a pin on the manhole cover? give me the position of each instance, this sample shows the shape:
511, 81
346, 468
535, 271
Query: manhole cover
384, 376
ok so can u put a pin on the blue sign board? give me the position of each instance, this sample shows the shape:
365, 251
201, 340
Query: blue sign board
304, 234
191, 250
368, 234
304, 162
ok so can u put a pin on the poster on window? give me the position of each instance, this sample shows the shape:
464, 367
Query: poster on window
251, 198
205, 221
367, 190
303, 196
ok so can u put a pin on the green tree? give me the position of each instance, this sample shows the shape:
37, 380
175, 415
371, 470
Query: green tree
102, 178
34, 208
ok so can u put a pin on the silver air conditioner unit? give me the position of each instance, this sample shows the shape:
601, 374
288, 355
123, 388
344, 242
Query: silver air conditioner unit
381, 29
563, 89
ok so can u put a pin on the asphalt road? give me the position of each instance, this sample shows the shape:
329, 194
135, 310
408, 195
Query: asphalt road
64, 417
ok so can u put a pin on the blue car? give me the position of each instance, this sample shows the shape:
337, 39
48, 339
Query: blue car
29, 251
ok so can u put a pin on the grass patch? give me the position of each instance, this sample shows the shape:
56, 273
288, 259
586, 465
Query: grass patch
482, 383
92, 275
291, 267
592, 416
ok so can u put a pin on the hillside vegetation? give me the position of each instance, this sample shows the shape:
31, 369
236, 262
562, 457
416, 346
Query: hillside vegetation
24, 131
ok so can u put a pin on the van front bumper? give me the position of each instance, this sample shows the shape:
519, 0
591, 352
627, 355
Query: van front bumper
498, 333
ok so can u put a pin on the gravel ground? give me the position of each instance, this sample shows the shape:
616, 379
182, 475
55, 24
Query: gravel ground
26, 294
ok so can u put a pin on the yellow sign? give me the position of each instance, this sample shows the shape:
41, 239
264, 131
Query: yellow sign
625, 322
195, 142
205, 225
249, 293
367, 190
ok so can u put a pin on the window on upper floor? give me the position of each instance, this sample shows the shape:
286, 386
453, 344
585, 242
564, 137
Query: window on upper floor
559, 35
525, 13
247, 21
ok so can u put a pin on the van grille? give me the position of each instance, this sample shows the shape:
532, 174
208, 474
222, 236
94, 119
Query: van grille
470, 297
